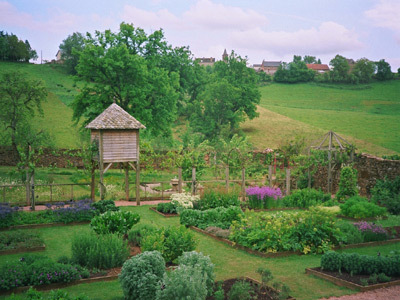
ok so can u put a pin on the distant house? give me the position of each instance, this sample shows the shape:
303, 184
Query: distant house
320, 68
206, 61
257, 67
59, 60
270, 67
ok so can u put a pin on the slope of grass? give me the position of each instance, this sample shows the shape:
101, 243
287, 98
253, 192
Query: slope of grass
57, 118
367, 114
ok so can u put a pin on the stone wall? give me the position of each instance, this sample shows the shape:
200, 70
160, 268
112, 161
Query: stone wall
370, 169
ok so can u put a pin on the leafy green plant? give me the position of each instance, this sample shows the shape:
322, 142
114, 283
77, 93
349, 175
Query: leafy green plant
185, 282
170, 241
114, 222
103, 206
387, 193
305, 198
99, 251
359, 207
141, 276
136, 234
347, 183
219, 217
168, 208
240, 290
195, 259
32, 294
352, 235
216, 198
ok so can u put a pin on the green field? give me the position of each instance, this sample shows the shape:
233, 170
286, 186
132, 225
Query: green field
366, 115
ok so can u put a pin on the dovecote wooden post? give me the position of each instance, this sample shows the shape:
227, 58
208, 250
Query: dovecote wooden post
117, 134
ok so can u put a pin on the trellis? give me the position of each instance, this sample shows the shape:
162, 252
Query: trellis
333, 143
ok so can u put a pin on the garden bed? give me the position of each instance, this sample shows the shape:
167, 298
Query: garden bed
23, 249
165, 215
353, 282
259, 294
273, 209
248, 250
43, 225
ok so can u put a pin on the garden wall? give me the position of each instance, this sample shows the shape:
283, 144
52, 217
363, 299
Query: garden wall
370, 168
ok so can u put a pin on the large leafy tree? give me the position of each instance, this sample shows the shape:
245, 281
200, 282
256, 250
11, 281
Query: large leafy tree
341, 68
363, 70
71, 48
383, 71
20, 98
230, 96
129, 67
13, 49
295, 71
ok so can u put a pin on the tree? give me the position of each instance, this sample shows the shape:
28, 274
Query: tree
296, 71
71, 48
228, 99
341, 68
383, 71
363, 70
126, 67
309, 59
13, 49
19, 98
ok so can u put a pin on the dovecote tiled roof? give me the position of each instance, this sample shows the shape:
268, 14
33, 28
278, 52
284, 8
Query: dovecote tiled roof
114, 117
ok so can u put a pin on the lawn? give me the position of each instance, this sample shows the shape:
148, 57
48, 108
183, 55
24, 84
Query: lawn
229, 262
367, 115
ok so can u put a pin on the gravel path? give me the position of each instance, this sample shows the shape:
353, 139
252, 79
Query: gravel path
390, 293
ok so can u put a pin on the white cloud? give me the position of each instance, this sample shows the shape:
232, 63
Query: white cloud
386, 14
328, 38
212, 16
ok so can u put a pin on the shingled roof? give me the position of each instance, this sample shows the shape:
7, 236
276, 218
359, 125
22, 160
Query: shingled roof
114, 117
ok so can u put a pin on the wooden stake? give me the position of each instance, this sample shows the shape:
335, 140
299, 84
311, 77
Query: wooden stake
137, 183
127, 182
227, 178
101, 166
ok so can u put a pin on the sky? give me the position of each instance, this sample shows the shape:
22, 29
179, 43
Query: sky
256, 29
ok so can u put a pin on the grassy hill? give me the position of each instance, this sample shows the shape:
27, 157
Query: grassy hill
57, 119
366, 115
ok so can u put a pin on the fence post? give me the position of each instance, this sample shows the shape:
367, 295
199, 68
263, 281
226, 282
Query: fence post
270, 175
287, 181
162, 191
72, 192
227, 178
243, 184
27, 188
126, 182
179, 180
194, 181
32, 184
4, 194
51, 192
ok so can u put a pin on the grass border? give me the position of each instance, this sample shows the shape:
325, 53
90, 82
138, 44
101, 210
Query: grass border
23, 249
162, 214
43, 225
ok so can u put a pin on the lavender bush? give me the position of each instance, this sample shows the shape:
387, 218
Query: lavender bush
7, 213
264, 197
371, 232
75, 212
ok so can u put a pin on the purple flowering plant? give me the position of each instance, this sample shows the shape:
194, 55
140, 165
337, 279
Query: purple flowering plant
371, 232
264, 197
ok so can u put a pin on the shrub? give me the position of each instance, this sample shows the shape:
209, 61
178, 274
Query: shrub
32, 294
170, 241
218, 217
76, 212
306, 198
355, 263
184, 200
306, 231
6, 215
371, 232
195, 259
105, 205
141, 275
114, 222
347, 183
185, 282
99, 251
167, 208
263, 197
37, 270
138, 231
240, 290
359, 207
19, 238
214, 199
387, 193
352, 235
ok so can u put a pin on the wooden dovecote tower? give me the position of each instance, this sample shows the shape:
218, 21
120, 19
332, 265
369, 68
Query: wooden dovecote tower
117, 134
